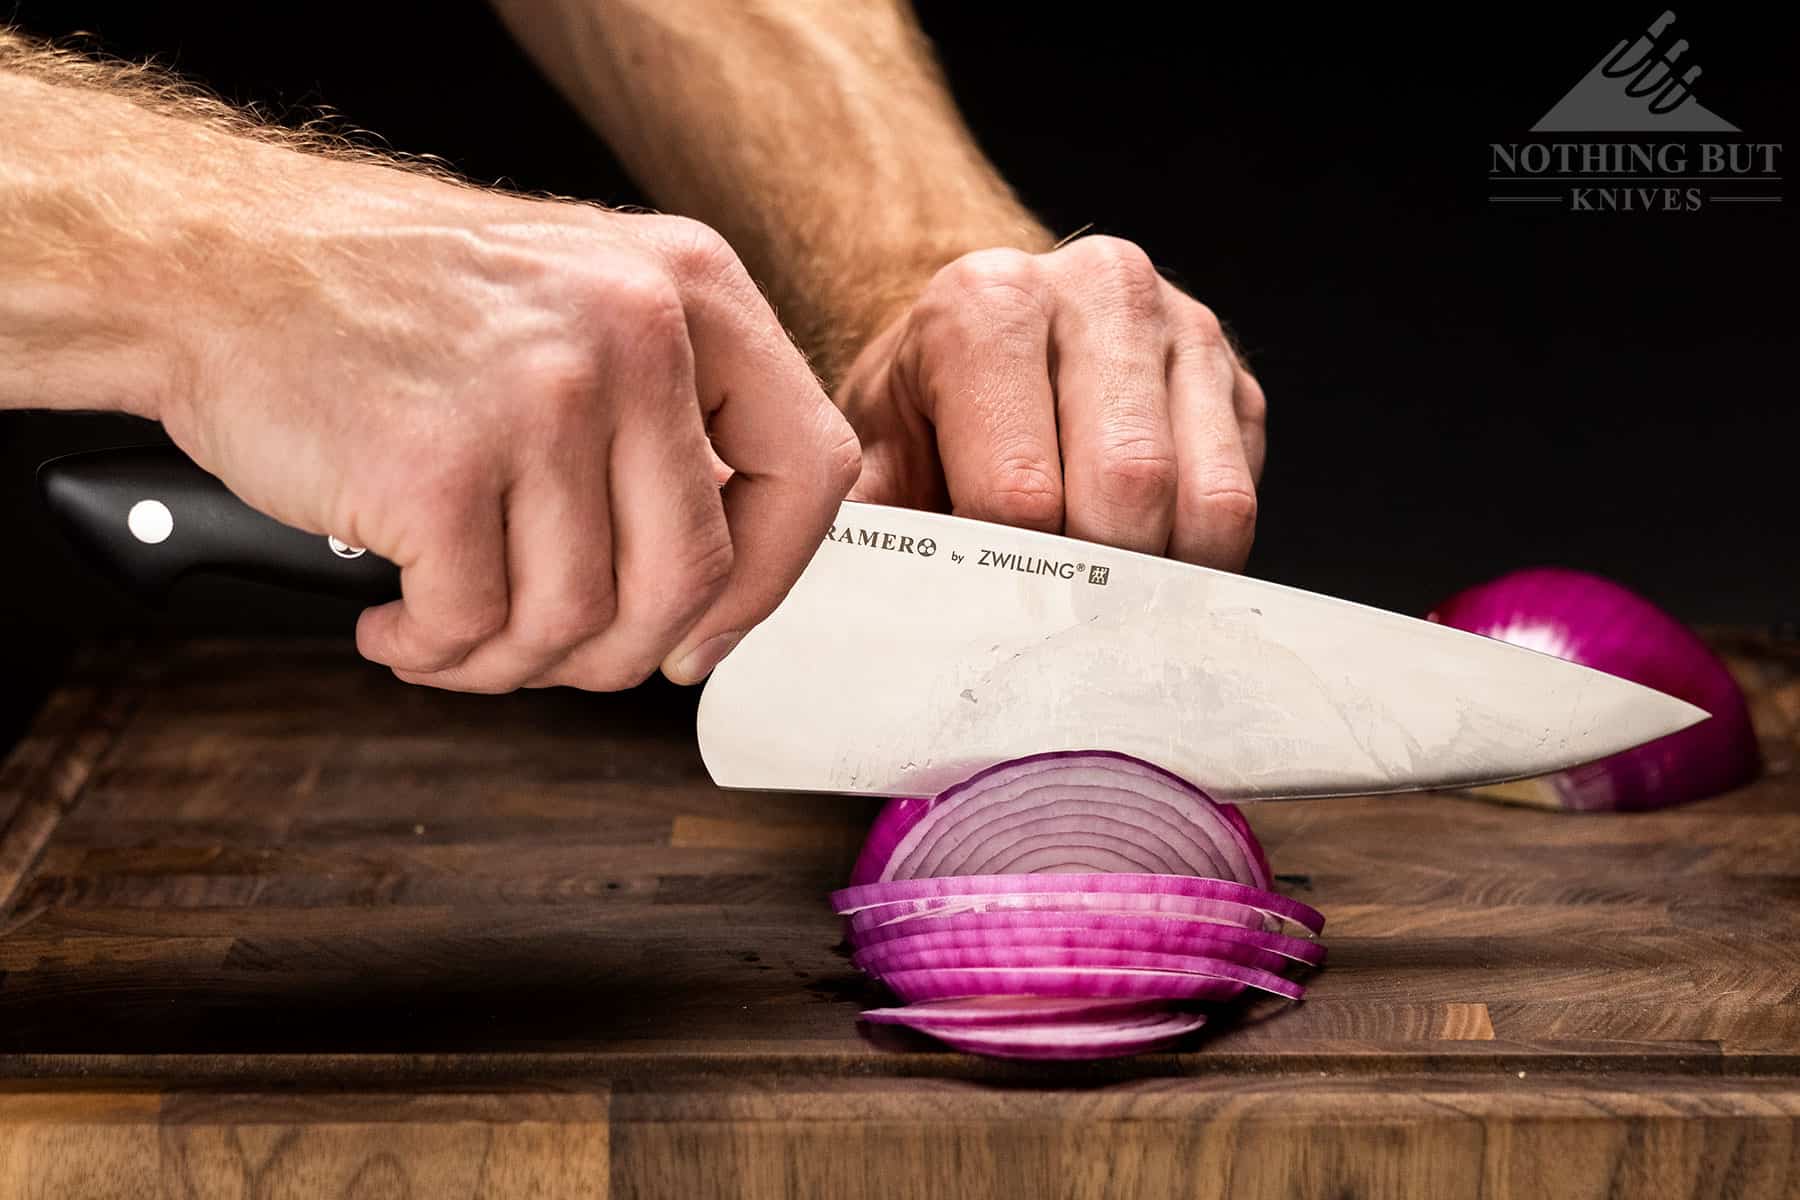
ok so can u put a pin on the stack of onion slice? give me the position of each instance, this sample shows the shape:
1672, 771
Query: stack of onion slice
1069, 905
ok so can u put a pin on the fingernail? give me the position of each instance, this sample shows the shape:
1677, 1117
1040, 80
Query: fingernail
700, 661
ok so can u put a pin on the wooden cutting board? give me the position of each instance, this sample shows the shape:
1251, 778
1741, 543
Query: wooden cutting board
277, 925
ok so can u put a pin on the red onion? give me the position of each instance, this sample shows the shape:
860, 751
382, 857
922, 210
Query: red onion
1062, 905
1598, 623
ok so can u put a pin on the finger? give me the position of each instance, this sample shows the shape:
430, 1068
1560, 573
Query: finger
454, 589
1119, 457
673, 552
893, 475
899, 464
981, 360
1252, 418
792, 455
559, 558
899, 459
1247, 397
1215, 510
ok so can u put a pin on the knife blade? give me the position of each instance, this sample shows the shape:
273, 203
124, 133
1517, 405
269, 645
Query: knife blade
918, 648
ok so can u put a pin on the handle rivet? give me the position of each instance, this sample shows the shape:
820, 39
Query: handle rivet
344, 549
150, 521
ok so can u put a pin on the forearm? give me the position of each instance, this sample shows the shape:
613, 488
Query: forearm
137, 224
816, 135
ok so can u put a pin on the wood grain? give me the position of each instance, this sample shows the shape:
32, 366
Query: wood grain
252, 1147
279, 925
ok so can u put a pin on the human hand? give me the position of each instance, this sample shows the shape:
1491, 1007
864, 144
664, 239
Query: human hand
1075, 392
520, 403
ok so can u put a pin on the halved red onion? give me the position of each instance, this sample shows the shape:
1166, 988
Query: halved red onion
1071, 1039
896, 958
953, 889
1596, 622
949, 983
1253, 947
977, 1011
1071, 812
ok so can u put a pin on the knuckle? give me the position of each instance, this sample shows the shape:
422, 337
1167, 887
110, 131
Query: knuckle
568, 621
1027, 494
1230, 509
1000, 275
1117, 252
562, 387
623, 679
1137, 474
1126, 272
641, 301
604, 676
448, 471
461, 631
481, 685
695, 250
641, 324
1203, 324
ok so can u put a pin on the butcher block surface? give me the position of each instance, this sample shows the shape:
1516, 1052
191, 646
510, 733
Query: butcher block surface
274, 924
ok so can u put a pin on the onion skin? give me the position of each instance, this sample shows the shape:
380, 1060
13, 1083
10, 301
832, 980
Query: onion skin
1598, 623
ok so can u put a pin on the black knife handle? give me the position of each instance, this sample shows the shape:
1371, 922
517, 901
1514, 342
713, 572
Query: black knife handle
148, 515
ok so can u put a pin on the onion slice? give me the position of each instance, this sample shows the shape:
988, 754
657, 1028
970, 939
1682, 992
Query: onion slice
1254, 947
1077, 1039
1078, 904
1595, 622
896, 957
1136, 983
977, 1011
852, 900
1067, 811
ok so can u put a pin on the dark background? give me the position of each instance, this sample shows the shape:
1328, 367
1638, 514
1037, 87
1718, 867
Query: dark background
1456, 388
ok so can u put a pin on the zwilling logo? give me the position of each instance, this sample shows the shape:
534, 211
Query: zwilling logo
1645, 85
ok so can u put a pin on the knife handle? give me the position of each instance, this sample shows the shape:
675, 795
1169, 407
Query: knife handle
148, 515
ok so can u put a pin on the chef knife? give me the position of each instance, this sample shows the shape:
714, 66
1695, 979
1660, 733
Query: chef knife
918, 648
